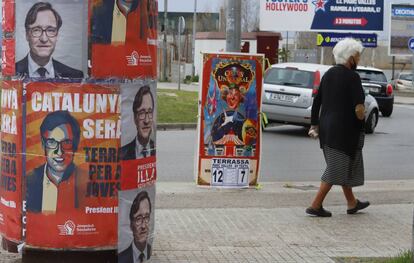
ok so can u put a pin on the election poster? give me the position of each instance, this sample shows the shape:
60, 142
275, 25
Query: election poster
401, 30
136, 224
127, 30
11, 161
72, 172
229, 125
51, 39
138, 163
138, 140
322, 15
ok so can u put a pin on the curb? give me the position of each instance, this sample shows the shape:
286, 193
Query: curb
404, 93
176, 126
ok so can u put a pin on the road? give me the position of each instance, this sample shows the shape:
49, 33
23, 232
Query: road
289, 155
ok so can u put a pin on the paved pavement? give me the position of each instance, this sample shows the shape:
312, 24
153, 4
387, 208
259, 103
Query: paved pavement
244, 233
226, 229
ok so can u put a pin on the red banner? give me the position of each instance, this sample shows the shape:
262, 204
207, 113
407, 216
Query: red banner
72, 165
11, 161
8, 41
8, 19
7, 57
127, 30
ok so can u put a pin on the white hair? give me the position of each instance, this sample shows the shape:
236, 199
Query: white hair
345, 49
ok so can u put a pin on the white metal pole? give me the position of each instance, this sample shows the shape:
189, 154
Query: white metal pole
194, 33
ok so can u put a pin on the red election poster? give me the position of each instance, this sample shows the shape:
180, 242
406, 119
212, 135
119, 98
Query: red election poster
8, 41
11, 161
127, 30
72, 165
138, 155
229, 127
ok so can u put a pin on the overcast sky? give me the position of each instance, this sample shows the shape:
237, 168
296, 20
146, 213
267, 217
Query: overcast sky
187, 6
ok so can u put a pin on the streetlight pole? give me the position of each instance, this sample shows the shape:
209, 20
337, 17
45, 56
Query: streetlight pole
233, 26
164, 50
194, 33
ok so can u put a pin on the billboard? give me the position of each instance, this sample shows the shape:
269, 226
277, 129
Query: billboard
229, 126
401, 29
321, 15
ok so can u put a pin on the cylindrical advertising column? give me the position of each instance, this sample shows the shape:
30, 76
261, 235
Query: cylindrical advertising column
78, 129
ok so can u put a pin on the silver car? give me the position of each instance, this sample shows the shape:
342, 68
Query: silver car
288, 94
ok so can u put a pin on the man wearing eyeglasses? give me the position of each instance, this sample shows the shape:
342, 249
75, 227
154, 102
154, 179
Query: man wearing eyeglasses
139, 216
142, 145
42, 29
56, 184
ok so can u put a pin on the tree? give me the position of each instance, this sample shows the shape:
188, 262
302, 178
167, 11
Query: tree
249, 15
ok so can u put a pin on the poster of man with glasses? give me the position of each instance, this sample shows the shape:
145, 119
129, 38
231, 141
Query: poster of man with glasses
71, 165
50, 40
54, 185
138, 163
141, 112
136, 225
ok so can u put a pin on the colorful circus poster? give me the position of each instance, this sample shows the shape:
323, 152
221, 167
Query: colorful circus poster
72, 169
229, 125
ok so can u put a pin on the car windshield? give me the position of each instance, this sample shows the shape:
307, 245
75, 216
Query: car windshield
368, 75
289, 77
408, 77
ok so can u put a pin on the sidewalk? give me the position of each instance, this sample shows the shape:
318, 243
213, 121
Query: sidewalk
229, 231
195, 224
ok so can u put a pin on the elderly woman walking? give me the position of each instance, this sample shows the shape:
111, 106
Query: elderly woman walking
338, 114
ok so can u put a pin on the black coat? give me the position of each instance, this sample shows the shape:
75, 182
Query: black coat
128, 150
61, 70
127, 256
339, 92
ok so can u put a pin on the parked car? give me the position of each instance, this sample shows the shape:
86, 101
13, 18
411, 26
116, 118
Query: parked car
376, 82
288, 94
404, 81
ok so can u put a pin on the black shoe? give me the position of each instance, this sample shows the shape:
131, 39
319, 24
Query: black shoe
318, 212
359, 206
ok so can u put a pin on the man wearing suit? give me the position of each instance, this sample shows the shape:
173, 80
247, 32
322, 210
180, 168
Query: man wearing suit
139, 216
141, 146
56, 184
42, 26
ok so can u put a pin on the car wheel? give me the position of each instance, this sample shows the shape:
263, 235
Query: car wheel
387, 112
371, 122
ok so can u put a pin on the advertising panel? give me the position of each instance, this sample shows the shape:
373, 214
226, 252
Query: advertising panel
72, 164
401, 29
11, 161
128, 31
138, 161
229, 126
321, 15
329, 39
53, 43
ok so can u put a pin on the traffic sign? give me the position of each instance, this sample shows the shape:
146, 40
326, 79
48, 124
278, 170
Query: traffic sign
411, 44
